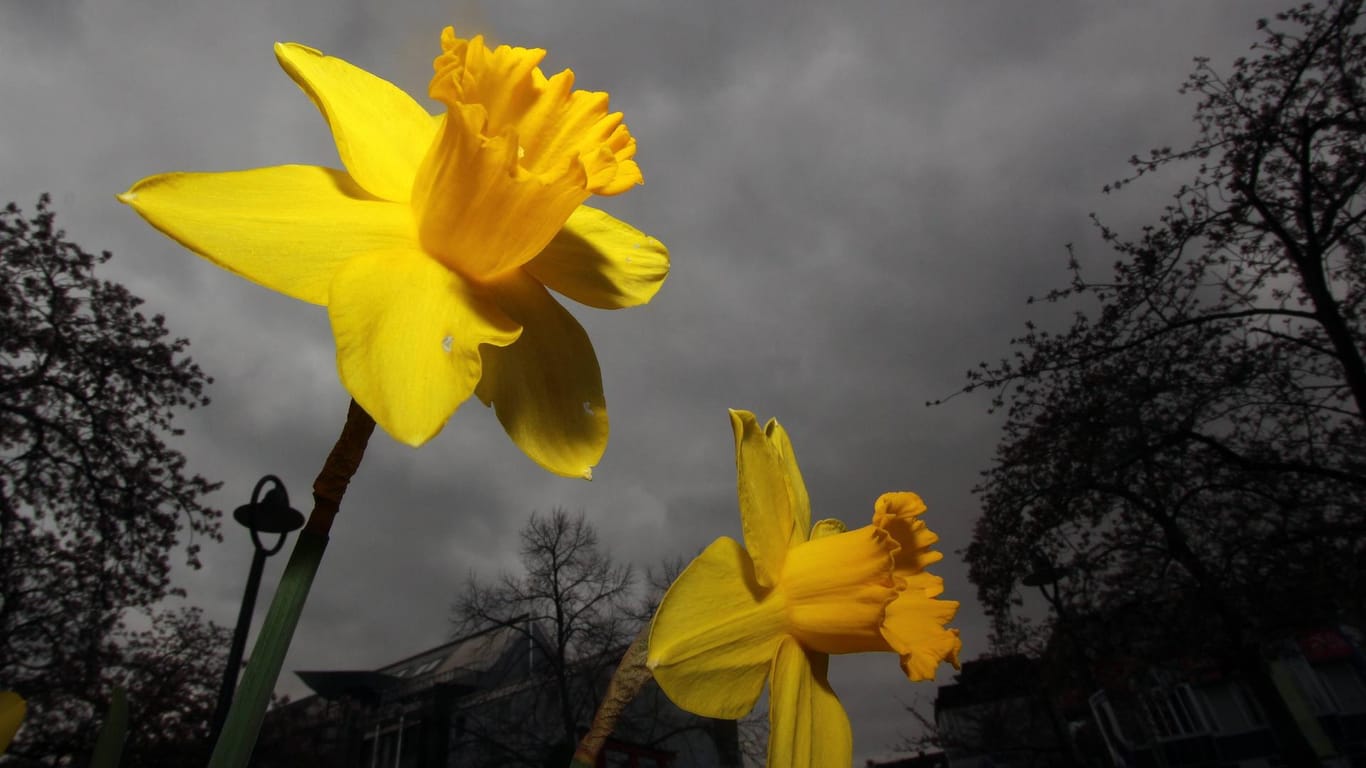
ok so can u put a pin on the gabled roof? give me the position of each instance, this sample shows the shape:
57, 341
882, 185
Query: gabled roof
369, 687
460, 660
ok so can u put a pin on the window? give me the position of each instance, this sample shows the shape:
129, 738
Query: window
1173, 713
1230, 707
399, 745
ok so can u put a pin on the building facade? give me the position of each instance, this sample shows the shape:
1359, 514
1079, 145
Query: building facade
488, 699
1190, 712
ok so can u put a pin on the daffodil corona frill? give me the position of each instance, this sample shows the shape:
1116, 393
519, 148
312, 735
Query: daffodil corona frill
434, 249
776, 608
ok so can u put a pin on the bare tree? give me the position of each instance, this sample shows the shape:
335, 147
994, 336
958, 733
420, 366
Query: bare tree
572, 603
578, 611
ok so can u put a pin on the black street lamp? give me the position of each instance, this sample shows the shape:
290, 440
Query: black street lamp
1045, 574
269, 515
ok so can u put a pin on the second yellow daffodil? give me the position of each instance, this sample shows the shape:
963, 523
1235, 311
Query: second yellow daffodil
434, 249
795, 593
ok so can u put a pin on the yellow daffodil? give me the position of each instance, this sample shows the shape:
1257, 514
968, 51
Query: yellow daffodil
12, 708
796, 593
433, 250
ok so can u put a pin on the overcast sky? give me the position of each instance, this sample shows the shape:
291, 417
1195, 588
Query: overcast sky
858, 198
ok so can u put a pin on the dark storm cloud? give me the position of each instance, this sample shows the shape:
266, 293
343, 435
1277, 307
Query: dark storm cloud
857, 197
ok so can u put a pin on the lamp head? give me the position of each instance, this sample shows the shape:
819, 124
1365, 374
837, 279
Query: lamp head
271, 514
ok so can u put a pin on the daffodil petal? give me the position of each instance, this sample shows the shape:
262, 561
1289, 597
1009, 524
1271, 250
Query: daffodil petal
602, 261
765, 509
808, 727
12, 709
409, 335
714, 634
546, 388
796, 487
828, 527
288, 228
382, 134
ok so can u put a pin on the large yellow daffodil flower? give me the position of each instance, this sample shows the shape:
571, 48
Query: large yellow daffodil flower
794, 594
433, 250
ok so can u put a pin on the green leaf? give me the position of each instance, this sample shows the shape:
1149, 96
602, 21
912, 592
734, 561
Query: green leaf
109, 745
238, 738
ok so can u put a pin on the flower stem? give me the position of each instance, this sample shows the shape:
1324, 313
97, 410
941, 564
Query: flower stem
113, 733
238, 738
627, 681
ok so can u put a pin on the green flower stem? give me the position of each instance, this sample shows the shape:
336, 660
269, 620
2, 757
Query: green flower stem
630, 677
238, 738
113, 733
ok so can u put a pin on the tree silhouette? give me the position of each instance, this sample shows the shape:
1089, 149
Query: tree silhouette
1184, 465
572, 603
578, 611
92, 499
171, 672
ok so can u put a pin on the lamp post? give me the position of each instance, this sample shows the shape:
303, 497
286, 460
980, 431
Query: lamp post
271, 514
1045, 573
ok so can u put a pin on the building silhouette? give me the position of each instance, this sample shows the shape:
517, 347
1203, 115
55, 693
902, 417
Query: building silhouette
487, 699
1016, 711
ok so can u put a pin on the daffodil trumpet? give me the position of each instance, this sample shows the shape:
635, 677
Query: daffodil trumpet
777, 607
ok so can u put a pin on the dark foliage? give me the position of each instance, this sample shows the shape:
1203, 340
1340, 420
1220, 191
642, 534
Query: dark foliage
171, 673
92, 499
1184, 467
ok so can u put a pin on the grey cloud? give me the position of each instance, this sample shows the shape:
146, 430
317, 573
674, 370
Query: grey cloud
857, 198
